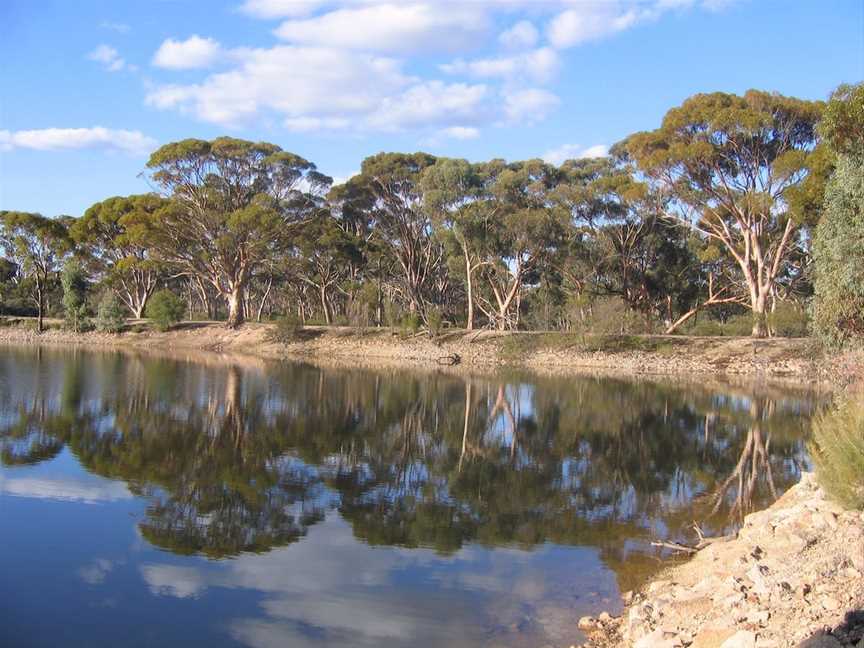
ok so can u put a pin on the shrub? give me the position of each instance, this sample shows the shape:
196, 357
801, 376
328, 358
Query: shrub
286, 330
435, 321
75, 287
788, 320
111, 316
838, 452
411, 323
165, 309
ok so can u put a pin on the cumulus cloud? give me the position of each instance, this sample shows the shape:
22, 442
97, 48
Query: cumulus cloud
194, 52
391, 27
565, 152
529, 105
54, 139
538, 65
109, 57
521, 35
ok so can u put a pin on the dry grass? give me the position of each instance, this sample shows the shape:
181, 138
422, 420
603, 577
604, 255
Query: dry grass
838, 452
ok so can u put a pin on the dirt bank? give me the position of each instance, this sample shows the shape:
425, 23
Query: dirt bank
780, 357
793, 574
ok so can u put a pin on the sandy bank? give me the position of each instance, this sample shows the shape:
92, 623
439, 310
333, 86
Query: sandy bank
777, 358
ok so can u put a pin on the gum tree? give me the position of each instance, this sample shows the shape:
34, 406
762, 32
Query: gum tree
733, 169
234, 206
114, 235
37, 245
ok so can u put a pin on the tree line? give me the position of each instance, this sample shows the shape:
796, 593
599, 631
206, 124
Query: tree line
735, 207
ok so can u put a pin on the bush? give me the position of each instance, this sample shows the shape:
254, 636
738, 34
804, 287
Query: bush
788, 320
286, 330
111, 316
435, 321
165, 309
411, 323
75, 287
838, 453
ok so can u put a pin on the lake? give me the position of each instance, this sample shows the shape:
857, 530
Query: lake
154, 501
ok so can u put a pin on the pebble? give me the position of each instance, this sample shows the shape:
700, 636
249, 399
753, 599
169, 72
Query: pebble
741, 639
587, 623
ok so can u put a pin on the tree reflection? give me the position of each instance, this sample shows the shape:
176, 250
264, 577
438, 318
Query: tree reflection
233, 459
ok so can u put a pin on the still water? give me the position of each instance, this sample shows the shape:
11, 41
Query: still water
153, 501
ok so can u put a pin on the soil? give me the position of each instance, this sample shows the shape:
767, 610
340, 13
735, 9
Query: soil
550, 352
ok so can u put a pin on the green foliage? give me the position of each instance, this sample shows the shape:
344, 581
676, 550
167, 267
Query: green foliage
838, 452
842, 123
838, 245
286, 330
165, 309
435, 320
788, 320
111, 316
75, 288
411, 323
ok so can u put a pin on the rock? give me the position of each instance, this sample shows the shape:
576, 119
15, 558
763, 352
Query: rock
741, 639
605, 618
712, 637
758, 617
627, 597
656, 639
587, 623
830, 603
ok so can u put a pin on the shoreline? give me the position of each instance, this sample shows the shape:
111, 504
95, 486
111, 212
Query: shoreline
792, 576
776, 359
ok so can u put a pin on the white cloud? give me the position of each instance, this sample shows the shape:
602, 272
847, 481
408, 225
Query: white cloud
521, 35
393, 27
538, 65
461, 132
529, 105
87, 488
194, 52
53, 139
280, 8
565, 152
109, 57
292, 82
430, 103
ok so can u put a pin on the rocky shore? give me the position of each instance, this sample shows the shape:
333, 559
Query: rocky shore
793, 576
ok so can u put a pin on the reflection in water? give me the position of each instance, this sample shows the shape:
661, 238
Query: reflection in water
233, 461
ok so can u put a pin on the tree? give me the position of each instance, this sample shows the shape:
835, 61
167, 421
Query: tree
525, 234
110, 316
37, 245
728, 167
75, 288
234, 205
838, 248
326, 252
114, 235
401, 223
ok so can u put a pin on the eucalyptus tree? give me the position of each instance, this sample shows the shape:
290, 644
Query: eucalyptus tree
37, 245
114, 235
457, 195
526, 232
401, 223
234, 205
732, 168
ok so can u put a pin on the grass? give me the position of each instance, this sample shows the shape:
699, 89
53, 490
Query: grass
838, 453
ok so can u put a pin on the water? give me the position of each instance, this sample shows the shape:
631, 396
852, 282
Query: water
149, 501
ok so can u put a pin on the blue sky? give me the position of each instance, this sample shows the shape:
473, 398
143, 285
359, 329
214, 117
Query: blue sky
89, 88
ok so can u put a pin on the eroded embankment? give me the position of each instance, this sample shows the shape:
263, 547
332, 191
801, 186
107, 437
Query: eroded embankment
793, 574
548, 351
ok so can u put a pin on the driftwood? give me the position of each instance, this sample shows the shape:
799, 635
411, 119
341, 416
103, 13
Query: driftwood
692, 549
450, 360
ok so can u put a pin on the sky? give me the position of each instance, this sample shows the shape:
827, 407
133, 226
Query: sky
89, 89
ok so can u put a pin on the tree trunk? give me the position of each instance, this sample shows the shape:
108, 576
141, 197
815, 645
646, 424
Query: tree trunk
235, 306
760, 323
470, 293
40, 307
322, 293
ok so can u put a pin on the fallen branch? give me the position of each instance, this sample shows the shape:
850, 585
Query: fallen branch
703, 542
